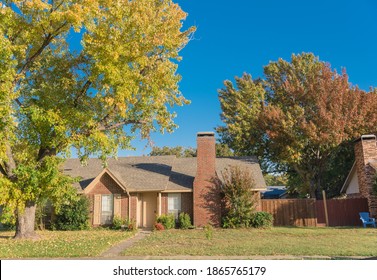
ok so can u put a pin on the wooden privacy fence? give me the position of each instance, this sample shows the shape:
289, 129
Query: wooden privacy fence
310, 212
342, 212
291, 212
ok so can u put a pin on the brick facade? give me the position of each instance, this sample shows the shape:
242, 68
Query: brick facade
366, 151
186, 203
206, 196
106, 185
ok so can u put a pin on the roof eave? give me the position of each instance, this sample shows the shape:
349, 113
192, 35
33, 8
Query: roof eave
98, 177
348, 179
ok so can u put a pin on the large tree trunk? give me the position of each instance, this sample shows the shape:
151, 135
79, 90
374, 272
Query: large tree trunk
25, 222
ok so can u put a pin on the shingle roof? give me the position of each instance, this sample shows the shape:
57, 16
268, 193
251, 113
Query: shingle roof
157, 173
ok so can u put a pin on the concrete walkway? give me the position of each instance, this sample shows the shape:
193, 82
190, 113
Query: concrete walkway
116, 250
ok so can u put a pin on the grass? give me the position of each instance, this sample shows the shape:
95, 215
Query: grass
60, 244
263, 242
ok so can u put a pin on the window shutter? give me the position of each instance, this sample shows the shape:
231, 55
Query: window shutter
97, 210
117, 205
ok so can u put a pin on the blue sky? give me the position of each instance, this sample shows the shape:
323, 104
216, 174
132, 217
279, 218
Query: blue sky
240, 36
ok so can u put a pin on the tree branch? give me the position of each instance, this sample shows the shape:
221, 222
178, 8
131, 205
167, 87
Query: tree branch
82, 92
116, 125
45, 43
10, 165
2, 170
44, 152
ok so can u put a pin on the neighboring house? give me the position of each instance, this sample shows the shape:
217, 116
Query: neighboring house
359, 182
142, 188
275, 192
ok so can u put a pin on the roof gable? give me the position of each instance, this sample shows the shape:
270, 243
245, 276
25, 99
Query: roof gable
94, 182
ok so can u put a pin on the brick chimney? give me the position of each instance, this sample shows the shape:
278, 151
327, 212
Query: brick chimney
365, 153
207, 201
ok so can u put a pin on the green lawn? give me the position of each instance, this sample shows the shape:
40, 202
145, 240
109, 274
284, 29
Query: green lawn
250, 242
60, 244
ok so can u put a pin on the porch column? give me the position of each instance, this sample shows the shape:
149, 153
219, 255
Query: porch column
159, 204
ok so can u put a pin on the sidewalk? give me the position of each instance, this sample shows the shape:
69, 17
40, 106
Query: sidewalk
115, 251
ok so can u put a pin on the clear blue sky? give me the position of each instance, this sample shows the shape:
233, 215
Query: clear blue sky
240, 36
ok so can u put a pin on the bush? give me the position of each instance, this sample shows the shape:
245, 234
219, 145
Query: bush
159, 226
117, 222
73, 216
130, 224
262, 220
7, 218
230, 222
208, 230
184, 221
237, 187
125, 224
168, 221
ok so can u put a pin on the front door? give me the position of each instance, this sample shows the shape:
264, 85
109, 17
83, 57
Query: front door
148, 209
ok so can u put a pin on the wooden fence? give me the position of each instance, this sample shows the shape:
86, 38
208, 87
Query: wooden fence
310, 212
342, 212
291, 212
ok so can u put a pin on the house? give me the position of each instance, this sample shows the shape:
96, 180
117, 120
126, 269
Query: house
142, 188
274, 192
360, 180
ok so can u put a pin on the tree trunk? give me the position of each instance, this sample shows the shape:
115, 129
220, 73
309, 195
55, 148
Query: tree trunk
25, 222
313, 188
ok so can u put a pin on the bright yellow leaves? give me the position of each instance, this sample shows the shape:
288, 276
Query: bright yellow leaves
55, 95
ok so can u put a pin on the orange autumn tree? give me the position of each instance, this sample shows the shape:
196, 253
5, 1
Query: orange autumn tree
301, 113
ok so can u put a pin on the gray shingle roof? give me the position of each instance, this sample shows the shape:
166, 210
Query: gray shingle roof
157, 173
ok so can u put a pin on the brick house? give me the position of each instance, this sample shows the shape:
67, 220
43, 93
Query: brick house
359, 182
142, 188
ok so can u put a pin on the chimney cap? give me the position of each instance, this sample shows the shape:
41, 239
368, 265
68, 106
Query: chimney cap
366, 137
205, 134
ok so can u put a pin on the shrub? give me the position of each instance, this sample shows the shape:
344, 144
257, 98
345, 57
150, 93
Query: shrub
237, 187
184, 221
262, 220
229, 222
7, 218
168, 221
130, 224
125, 224
159, 226
73, 216
208, 230
117, 222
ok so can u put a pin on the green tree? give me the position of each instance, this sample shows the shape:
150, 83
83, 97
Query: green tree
53, 98
222, 150
296, 118
177, 151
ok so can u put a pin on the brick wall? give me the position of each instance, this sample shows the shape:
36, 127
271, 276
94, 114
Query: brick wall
366, 150
133, 205
206, 197
164, 203
186, 203
106, 185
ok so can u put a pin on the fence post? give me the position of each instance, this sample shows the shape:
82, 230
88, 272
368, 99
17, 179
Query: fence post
325, 207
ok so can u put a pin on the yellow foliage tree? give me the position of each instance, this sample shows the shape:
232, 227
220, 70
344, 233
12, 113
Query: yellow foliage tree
53, 98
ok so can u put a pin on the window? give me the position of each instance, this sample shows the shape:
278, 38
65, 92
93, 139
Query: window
107, 209
174, 204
